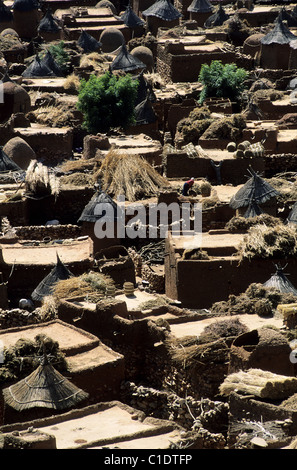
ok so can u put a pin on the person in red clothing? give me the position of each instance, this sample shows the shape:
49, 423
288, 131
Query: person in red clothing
187, 185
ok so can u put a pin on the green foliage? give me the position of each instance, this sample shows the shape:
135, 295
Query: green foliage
221, 81
61, 56
107, 102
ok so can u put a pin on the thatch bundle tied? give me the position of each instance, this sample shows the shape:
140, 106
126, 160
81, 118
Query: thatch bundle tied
45, 388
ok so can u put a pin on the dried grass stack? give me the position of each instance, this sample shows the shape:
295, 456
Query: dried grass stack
131, 176
90, 284
260, 383
261, 241
39, 181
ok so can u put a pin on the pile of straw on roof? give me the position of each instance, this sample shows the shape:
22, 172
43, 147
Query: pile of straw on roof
269, 242
131, 176
260, 383
39, 181
257, 299
92, 284
188, 351
23, 357
242, 224
58, 115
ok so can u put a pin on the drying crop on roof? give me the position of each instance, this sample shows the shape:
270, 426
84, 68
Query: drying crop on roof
269, 242
131, 176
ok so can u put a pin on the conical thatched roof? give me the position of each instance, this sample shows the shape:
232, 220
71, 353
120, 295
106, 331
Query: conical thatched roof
217, 19
126, 61
37, 68
292, 217
253, 210
50, 62
59, 273
162, 9
144, 89
25, 5
285, 15
48, 23
201, 6
88, 43
5, 13
130, 18
144, 112
280, 34
255, 190
6, 164
280, 282
99, 198
44, 388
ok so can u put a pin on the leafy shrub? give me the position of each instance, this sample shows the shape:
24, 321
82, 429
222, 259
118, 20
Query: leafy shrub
61, 56
221, 81
107, 102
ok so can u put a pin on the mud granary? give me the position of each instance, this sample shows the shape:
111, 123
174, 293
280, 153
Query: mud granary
148, 339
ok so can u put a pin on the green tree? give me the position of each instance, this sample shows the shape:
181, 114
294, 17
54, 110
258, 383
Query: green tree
221, 81
61, 56
107, 102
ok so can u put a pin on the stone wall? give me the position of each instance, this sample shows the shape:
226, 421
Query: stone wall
54, 232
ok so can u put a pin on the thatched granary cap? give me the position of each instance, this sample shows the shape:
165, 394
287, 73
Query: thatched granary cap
48, 23
256, 190
217, 19
162, 9
292, 217
280, 34
99, 200
253, 210
201, 6
5, 13
44, 388
126, 61
37, 68
111, 39
88, 43
59, 273
144, 112
130, 18
280, 282
50, 62
20, 152
285, 15
6, 164
25, 5
106, 4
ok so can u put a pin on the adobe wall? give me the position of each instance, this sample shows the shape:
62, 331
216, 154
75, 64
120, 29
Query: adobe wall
177, 66
23, 279
275, 56
200, 283
51, 148
258, 18
233, 170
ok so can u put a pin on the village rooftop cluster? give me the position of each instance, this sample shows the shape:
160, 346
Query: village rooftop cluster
148, 226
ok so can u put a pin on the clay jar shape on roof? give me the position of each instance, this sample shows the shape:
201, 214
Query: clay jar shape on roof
252, 44
6, 16
16, 100
26, 18
107, 4
20, 152
145, 55
111, 39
